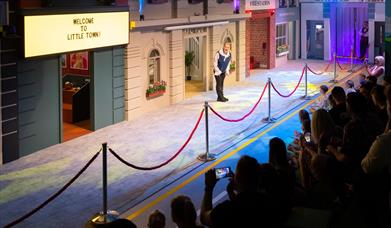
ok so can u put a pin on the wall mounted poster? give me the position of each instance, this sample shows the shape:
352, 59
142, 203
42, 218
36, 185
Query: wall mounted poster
79, 60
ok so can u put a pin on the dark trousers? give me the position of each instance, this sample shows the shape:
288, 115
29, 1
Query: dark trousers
363, 47
220, 85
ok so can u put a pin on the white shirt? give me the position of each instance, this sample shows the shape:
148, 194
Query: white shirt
216, 60
379, 156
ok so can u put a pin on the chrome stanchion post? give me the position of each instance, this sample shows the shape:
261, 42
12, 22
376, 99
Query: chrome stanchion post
207, 156
306, 97
351, 59
106, 215
334, 80
268, 119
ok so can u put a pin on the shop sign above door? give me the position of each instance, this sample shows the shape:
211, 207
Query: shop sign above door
260, 4
52, 34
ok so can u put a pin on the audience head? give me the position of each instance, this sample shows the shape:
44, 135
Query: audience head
350, 84
321, 123
338, 94
245, 174
372, 79
183, 212
356, 103
379, 60
156, 220
378, 96
277, 153
304, 115
362, 79
323, 89
366, 88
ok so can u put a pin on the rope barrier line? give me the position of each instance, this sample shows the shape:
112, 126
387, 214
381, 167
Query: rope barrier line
294, 90
245, 116
51, 198
340, 67
169, 160
322, 72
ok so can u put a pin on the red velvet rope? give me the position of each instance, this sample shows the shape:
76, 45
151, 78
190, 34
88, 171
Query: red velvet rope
322, 72
294, 90
169, 160
54, 195
245, 116
339, 65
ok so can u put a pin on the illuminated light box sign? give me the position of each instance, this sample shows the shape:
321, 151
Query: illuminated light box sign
260, 4
51, 34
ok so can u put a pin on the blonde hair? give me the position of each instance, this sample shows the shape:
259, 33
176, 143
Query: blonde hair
380, 60
321, 123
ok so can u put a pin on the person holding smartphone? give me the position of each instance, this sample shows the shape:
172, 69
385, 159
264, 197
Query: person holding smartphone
245, 208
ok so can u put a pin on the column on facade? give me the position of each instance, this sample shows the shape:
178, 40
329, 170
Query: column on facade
176, 67
241, 50
133, 78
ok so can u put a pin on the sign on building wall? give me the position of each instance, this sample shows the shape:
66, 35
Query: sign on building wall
260, 4
287, 14
51, 34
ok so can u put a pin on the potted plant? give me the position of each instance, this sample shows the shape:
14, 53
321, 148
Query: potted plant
189, 57
282, 50
232, 66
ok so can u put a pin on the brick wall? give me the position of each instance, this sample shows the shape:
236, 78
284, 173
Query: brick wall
261, 33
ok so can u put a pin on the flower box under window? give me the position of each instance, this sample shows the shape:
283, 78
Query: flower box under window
156, 89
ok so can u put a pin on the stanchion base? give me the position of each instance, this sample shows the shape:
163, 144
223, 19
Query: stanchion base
268, 120
105, 218
306, 97
206, 157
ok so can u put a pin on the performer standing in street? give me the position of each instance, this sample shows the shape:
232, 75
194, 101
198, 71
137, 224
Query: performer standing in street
221, 65
364, 40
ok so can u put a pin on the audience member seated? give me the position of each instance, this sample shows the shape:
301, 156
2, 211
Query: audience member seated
358, 135
322, 131
377, 70
350, 86
379, 99
245, 208
183, 212
338, 113
156, 220
322, 101
377, 165
365, 90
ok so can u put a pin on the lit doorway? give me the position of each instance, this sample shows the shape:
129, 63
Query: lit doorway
195, 41
76, 94
315, 40
194, 66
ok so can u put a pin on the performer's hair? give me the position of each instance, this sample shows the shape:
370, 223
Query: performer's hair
227, 42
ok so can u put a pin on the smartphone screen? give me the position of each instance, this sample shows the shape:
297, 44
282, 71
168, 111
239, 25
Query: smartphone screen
223, 172
307, 137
